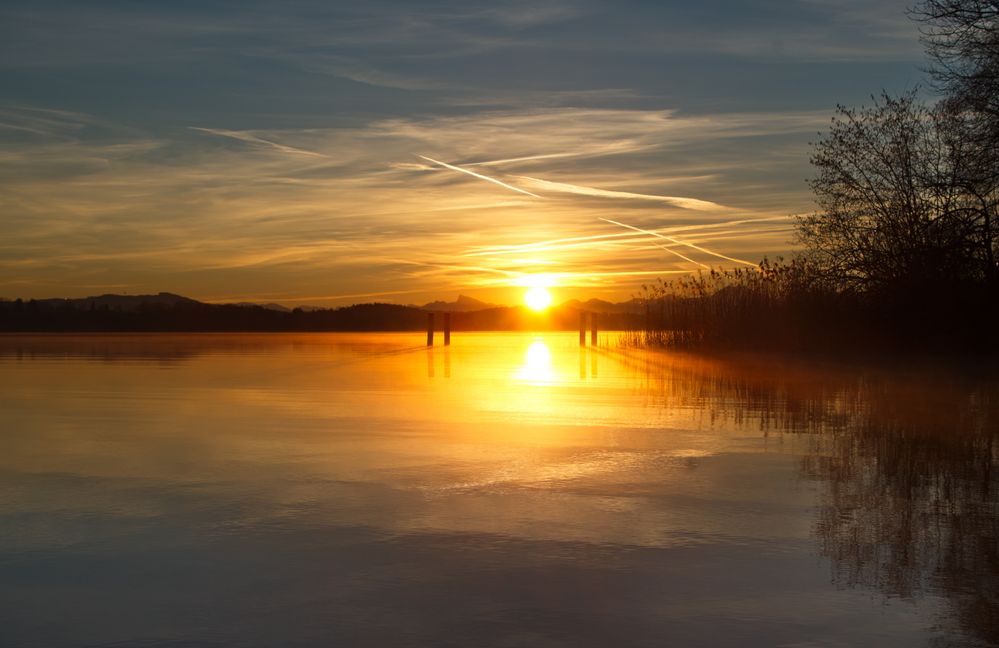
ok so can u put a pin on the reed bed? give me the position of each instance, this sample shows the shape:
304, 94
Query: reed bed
780, 304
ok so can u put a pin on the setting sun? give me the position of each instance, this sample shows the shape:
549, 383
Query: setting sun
538, 298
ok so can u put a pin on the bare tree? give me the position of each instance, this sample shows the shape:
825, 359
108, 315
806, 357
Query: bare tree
962, 40
893, 214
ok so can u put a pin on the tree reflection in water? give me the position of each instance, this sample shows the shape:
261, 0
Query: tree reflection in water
907, 461
910, 498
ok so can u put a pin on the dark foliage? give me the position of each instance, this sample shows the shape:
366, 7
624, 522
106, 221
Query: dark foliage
793, 306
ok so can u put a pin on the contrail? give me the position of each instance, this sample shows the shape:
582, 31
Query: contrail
526, 158
679, 242
628, 244
752, 220
604, 239
253, 139
599, 241
544, 246
628, 273
685, 257
505, 249
592, 151
520, 246
559, 276
479, 176
455, 266
741, 221
490, 253
679, 201
702, 237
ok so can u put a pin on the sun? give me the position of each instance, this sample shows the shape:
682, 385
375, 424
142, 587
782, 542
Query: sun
538, 298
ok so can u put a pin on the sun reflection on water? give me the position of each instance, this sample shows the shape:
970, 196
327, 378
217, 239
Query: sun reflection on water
537, 367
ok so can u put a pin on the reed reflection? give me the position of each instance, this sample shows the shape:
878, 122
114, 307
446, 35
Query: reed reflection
909, 503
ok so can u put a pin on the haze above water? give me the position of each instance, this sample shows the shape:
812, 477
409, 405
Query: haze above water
511, 490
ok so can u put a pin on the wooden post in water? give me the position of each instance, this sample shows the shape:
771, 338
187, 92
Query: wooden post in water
447, 329
582, 328
430, 329
593, 328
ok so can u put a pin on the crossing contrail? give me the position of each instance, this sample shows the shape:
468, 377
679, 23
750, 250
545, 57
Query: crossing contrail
479, 176
679, 242
604, 239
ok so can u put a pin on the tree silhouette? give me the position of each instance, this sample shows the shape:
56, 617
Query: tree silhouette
962, 40
894, 218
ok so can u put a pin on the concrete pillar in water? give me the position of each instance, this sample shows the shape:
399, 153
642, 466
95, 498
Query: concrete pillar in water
593, 328
582, 328
447, 329
430, 329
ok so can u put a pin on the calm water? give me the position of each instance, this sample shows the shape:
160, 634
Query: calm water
512, 490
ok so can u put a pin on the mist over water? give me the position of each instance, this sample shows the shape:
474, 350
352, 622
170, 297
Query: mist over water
508, 490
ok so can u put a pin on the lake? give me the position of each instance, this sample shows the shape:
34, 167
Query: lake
508, 490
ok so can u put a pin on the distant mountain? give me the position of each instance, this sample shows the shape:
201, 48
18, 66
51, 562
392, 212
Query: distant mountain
464, 304
271, 306
120, 302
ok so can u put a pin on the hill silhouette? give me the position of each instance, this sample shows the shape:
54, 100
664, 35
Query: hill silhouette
119, 302
165, 312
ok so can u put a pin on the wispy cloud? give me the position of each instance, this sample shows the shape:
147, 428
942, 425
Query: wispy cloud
689, 122
329, 212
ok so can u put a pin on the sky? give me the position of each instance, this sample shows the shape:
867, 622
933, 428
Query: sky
331, 152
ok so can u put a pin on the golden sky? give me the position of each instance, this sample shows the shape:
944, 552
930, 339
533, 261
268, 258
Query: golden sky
329, 154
